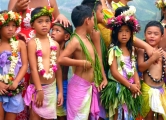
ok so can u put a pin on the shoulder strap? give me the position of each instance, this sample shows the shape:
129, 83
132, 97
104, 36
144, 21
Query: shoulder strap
49, 3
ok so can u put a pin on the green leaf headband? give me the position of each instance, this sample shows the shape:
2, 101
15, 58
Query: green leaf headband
45, 11
65, 28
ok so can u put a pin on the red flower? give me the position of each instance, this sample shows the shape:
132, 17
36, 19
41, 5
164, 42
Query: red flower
5, 15
0, 23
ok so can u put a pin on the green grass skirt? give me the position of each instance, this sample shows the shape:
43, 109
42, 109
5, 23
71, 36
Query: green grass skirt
112, 97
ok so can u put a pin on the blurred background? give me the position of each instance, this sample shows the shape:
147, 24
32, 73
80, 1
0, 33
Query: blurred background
146, 10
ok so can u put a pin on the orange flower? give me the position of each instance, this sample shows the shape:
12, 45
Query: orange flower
5, 15
14, 54
16, 16
11, 78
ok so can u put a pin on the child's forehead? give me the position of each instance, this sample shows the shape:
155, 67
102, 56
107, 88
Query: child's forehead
153, 29
43, 17
58, 27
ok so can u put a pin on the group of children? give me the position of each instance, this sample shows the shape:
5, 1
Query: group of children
99, 81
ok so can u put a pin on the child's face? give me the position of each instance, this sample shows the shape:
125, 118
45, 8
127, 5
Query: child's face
8, 30
124, 34
58, 33
90, 24
99, 14
42, 25
164, 11
153, 35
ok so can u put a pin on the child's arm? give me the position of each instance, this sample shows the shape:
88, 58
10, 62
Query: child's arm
18, 5
142, 44
95, 36
23, 69
66, 59
34, 72
136, 80
144, 65
115, 73
59, 79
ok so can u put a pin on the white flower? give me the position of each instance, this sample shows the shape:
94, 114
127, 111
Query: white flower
130, 12
127, 18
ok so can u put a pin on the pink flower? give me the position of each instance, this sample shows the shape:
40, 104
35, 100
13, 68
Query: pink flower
42, 72
53, 48
10, 94
54, 68
39, 53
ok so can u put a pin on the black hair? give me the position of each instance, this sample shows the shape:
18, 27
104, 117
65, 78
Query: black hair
36, 11
4, 11
119, 10
93, 4
156, 24
79, 14
116, 42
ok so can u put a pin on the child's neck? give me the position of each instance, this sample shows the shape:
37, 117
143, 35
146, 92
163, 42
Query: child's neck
81, 32
41, 36
4, 39
62, 45
124, 2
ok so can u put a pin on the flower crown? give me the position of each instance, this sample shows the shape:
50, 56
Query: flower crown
45, 11
6, 17
126, 18
160, 3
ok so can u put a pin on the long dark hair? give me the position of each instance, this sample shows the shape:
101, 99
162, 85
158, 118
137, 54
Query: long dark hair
116, 42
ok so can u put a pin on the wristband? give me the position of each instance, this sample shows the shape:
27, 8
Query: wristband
39, 90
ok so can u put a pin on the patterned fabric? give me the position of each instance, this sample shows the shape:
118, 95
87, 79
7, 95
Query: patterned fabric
48, 110
10, 104
84, 95
154, 99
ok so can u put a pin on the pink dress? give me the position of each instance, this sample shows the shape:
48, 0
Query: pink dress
29, 32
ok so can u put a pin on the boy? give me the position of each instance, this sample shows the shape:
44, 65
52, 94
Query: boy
153, 68
43, 52
80, 99
61, 35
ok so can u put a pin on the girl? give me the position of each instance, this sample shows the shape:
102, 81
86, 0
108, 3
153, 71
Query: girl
121, 95
13, 66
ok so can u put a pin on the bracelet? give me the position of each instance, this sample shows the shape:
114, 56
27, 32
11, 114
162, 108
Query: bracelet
130, 86
39, 90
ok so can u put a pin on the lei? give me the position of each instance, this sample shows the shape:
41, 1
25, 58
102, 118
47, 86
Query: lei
8, 78
126, 17
119, 55
6, 17
53, 58
45, 11
160, 4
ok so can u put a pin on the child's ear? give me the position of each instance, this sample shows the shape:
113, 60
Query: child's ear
67, 37
86, 21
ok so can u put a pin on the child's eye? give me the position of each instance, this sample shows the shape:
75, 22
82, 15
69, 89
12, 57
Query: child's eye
39, 21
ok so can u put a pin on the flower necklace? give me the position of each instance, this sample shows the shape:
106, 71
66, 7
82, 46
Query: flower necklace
163, 69
130, 72
8, 78
53, 67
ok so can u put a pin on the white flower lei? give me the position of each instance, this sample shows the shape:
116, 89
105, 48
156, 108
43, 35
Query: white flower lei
53, 58
8, 78
130, 12
130, 72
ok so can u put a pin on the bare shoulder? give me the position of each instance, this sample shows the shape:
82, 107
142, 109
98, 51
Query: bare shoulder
74, 42
31, 44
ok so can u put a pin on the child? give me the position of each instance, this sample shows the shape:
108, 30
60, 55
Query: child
80, 99
13, 66
43, 52
153, 68
123, 80
61, 35
162, 5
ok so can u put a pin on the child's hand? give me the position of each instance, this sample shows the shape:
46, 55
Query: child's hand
39, 98
102, 85
157, 54
134, 89
3, 88
60, 99
87, 65
138, 85
13, 86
